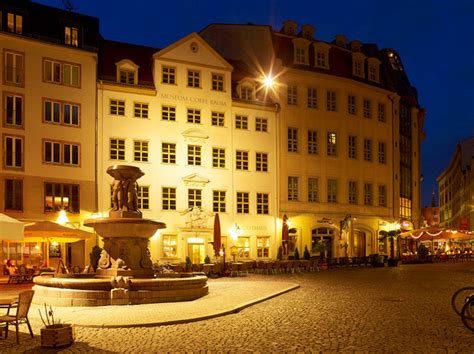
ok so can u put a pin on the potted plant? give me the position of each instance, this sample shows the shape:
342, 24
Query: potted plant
207, 260
54, 333
322, 249
297, 254
306, 254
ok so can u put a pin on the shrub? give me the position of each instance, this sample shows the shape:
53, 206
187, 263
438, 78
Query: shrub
207, 260
306, 254
297, 254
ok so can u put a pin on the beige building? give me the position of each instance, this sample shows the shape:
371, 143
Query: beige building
48, 84
456, 188
202, 151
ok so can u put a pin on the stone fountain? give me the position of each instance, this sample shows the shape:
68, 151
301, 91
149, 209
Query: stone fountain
124, 274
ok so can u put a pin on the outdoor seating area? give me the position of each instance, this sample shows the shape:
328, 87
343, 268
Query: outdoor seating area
436, 258
20, 306
20, 274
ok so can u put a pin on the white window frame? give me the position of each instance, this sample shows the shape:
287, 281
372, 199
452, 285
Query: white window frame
168, 198
218, 157
262, 203
243, 202
217, 119
168, 153
261, 162
241, 160
12, 151
194, 155
117, 149
141, 150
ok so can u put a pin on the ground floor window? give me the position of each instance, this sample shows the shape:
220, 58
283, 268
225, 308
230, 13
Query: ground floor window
263, 247
170, 246
243, 247
324, 235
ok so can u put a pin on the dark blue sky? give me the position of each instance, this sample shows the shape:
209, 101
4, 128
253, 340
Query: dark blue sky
435, 39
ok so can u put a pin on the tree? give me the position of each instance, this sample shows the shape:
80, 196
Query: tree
391, 235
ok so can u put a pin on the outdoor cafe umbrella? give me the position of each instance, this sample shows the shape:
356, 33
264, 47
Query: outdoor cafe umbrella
284, 234
10, 229
436, 233
41, 231
217, 235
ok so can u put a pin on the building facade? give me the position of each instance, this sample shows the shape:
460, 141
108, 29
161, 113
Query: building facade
48, 84
456, 188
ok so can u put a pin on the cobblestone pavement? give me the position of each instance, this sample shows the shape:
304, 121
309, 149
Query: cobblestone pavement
379, 310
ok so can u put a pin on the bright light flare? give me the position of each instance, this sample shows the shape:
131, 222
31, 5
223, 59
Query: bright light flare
268, 81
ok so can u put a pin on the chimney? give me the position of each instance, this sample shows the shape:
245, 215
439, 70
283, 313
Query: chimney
356, 45
307, 31
289, 27
341, 40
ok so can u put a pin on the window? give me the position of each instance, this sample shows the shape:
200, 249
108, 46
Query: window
292, 98
292, 140
13, 104
313, 189
243, 247
352, 192
194, 78
352, 147
300, 55
246, 93
127, 77
261, 124
14, 194
61, 112
242, 160
170, 246
381, 112
117, 149
194, 155
332, 191
168, 198
117, 107
357, 67
62, 73
61, 153
168, 75
261, 162
351, 104
405, 208
71, 36
312, 98
218, 201
218, 157
168, 153
168, 113
194, 116
262, 203
292, 188
331, 144
382, 195
321, 55
243, 204
140, 110
13, 147
367, 150
140, 150
143, 193
14, 23
331, 101
367, 193
263, 247
217, 82
312, 142
194, 198
59, 196
241, 122
14, 68
382, 156
367, 108
374, 69
217, 119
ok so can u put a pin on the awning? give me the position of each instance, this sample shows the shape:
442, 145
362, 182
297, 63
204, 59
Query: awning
42, 231
10, 229
436, 233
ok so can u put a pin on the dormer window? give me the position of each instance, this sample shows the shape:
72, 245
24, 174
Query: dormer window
71, 36
358, 64
321, 55
301, 46
374, 68
395, 61
246, 93
127, 72
246, 90
15, 23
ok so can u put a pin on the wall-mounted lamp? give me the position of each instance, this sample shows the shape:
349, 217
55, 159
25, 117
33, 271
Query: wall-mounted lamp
235, 232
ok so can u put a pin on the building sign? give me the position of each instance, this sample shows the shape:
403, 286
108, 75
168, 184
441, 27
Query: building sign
191, 99
254, 227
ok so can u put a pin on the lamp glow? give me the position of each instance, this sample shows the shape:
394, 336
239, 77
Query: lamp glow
268, 81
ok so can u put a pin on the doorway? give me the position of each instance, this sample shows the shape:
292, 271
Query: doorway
359, 243
196, 252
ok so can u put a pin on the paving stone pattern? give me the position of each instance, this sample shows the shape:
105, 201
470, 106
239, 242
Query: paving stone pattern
377, 310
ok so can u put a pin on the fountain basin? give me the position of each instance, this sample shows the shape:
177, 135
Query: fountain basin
106, 291
125, 227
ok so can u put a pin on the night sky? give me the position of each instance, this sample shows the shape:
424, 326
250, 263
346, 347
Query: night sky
435, 40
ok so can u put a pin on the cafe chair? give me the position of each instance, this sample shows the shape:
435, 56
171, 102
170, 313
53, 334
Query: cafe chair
21, 316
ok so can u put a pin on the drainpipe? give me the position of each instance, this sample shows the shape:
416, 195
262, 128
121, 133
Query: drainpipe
277, 174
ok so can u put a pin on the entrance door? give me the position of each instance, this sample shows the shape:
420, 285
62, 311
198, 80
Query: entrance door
196, 252
359, 243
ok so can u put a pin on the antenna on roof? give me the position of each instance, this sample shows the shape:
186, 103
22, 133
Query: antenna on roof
68, 5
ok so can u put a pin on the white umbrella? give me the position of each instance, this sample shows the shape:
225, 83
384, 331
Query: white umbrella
11, 229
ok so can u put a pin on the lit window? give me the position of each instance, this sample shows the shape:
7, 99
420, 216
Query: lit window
14, 194
261, 124
313, 189
194, 155
352, 192
168, 197
168, 113
312, 142
242, 160
243, 204
168, 75
241, 122
117, 149
117, 107
218, 157
194, 116
217, 119
382, 153
62, 73
13, 150
331, 144
168, 153
194, 78
367, 193
140, 110
71, 36
332, 191
61, 197
352, 147
263, 247
262, 203
13, 104
312, 98
217, 82
292, 92
218, 202
14, 68
292, 188
367, 108
140, 150
261, 162
170, 246
127, 76
292, 140
367, 150
351, 104
331, 101
15, 23
143, 193
194, 198
243, 247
